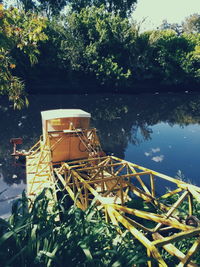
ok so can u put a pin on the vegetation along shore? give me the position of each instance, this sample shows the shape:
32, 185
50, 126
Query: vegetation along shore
96, 44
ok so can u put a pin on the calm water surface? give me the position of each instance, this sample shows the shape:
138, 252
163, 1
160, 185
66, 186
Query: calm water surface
158, 131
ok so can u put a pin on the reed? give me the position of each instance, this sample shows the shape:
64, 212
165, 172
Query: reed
79, 238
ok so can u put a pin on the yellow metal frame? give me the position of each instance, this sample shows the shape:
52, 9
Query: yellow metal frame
110, 181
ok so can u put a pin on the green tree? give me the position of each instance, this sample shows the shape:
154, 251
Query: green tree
18, 31
48, 8
51, 7
169, 53
27, 5
53, 60
121, 7
191, 63
98, 44
142, 58
171, 26
192, 24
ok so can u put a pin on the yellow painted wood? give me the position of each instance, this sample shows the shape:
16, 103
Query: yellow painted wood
152, 182
145, 241
70, 192
99, 166
86, 197
40, 176
146, 197
152, 217
111, 215
190, 253
138, 225
176, 237
120, 169
173, 208
103, 179
171, 249
194, 193
78, 163
149, 262
137, 176
179, 183
171, 193
186, 186
190, 204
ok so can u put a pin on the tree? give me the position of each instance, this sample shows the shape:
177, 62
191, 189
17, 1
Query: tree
192, 24
18, 31
191, 63
171, 26
48, 8
98, 44
27, 5
161, 56
51, 7
121, 7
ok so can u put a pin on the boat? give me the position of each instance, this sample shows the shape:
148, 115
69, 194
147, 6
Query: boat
69, 153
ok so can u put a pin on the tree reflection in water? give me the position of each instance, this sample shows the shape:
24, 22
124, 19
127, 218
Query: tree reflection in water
120, 119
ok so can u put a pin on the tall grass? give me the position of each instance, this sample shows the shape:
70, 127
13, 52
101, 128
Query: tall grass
79, 238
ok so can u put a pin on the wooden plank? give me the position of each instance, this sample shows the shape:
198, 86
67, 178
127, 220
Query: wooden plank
195, 247
176, 237
40, 176
172, 209
152, 182
145, 241
137, 176
112, 216
71, 193
190, 204
171, 249
179, 183
171, 193
194, 193
153, 217
138, 225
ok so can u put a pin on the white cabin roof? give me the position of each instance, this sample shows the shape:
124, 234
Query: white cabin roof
64, 113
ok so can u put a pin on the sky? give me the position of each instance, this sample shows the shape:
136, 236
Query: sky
155, 11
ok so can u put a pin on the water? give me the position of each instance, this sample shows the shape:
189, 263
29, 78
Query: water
158, 131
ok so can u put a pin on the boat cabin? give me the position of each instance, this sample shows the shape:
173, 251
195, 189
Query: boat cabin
68, 133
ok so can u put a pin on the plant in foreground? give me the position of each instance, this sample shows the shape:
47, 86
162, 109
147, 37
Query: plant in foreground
79, 238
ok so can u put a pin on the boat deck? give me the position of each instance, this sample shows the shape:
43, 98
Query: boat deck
39, 176
111, 182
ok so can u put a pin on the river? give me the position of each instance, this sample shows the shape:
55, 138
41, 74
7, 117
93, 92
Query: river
158, 131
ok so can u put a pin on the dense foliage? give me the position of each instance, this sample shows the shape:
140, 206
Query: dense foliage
19, 33
100, 46
192, 24
102, 42
80, 238
94, 43
121, 7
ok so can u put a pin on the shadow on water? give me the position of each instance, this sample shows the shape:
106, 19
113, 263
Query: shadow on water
124, 122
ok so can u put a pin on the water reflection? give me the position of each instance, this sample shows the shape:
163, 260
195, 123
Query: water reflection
146, 129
